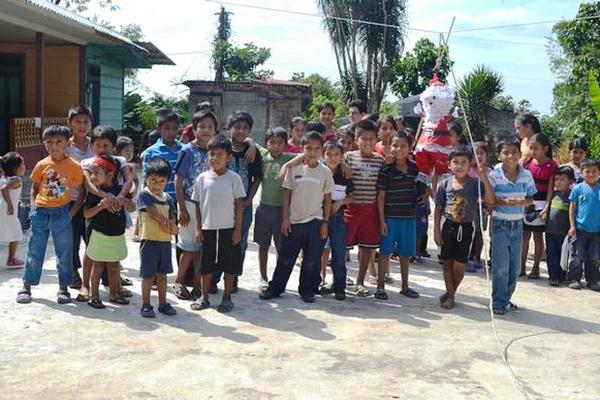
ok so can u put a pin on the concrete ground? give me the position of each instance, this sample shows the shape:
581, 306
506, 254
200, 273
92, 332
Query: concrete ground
286, 349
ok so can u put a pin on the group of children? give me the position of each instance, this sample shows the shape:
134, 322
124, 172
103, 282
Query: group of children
323, 191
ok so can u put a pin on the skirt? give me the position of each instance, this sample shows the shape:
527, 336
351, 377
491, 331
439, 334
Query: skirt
10, 230
104, 248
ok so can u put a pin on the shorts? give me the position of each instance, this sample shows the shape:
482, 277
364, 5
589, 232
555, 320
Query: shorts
362, 225
457, 240
155, 258
401, 237
422, 220
267, 225
186, 240
429, 160
219, 253
105, 248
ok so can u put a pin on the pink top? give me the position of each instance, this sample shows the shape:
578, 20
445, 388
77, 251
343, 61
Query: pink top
290, 148
473, 172
541, 173
380, 149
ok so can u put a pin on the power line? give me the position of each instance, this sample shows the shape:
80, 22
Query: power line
526, 24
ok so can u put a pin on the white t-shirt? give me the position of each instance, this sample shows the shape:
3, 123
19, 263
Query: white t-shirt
308, 186
216, 195
78, 155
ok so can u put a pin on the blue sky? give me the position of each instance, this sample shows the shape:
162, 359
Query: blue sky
298, 43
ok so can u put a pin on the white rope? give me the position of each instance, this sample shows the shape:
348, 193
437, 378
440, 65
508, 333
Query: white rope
501, 348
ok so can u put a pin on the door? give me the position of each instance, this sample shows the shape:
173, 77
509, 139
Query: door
93, 91
11, 95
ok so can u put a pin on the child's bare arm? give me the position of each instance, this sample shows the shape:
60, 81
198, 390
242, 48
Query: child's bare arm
35, 189
381, 212
572, 219
127, 184
198, 216
91, 212
184, 216
549, 195
326, 215
252, 192
91, 188
79, 201
157, 216
437, 230
10, 207
298, 160
236, 237
285, 214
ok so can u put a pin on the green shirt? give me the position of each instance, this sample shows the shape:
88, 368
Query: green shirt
271, 193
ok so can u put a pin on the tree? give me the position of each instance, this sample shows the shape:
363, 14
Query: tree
411, 73
503, 103
81, 6
574, 54
222, 36
241, 63
478, 88
322, 91
365, 53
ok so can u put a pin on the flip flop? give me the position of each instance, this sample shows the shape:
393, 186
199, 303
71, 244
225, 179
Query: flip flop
96, 303
126, 282
181, 292
533, 276
362, 291
225, 306
119, 300
125, 293
410, 293
200, 304
83, 297
381, 294
24, 296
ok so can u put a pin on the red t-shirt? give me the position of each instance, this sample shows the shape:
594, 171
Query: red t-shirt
541, 173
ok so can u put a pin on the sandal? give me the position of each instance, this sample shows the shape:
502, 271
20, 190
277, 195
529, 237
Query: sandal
83, 297
326, 288
24, 296
449, 303
125, 293
96, 303
126, 282
388, 279
533, 276
410, 293
195, 294
444, 297
381, 294
181, 292
200, 304
119, 300
512, 306
362, 291
349, 282
225, 306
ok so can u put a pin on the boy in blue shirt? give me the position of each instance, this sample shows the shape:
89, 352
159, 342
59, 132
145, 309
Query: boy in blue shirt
514, 188
584, 218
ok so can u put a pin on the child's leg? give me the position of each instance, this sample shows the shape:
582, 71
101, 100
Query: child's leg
477, 246
514, 256
553, 254
206, 281
404, 263
263, 258
114, 278
228, 278
62, 235
372, 270
458, 273
87, 272
383, 264
419, 239
525, 252
36, 249
146, 289
161, 282
538, 242
12, 250
96, 273
185, 260
324, 260
448, 278
364, 258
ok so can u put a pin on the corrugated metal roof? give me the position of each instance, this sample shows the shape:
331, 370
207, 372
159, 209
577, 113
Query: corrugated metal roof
155, 56
273, 82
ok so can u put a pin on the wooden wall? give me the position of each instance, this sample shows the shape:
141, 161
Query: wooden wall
111, 86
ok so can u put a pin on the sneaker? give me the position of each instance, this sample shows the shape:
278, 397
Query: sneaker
554, 282
308, 298
63, 296
24, 296
167, 309
340, 295
147, 311
263, 285
594, 286
575, 285
15, 263
267, 294
470, 267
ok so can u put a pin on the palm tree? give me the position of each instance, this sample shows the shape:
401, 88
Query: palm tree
477, 89
365, 52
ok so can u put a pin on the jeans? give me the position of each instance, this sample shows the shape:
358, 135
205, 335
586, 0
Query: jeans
337, 243
586, 245
246, 222
554, 244
78, 226
43, 222
305, 237
507, 237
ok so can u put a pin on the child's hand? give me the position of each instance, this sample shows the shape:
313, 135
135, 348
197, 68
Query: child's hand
10, 210
286, 227
544, 214
184, 218
335, 206
251, 152
423, 200
106, 203
199, 237
121, 201
324, 232
383, 229
571, 233
236, 237
437, 237
246, 203
481, 171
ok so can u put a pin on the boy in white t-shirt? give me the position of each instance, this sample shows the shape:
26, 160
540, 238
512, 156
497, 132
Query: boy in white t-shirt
306, 209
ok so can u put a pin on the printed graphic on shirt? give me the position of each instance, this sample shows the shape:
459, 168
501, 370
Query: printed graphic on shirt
458, 209
54, 186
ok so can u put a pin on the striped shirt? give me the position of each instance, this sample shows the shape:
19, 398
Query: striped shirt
365, 171
524, 186
401, 190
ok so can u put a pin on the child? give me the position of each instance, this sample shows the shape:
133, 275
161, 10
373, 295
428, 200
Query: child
385, 129
13, 166
513, 188
157, 211
239, 126
584, 218
53, 179
326, 115
526, 126
297, 131
362, 224
125, 149
346, 138
456, 136
268, 213
558, 225
542, 168
481, 220
396, 204
193, 160
219, 194
578, 150
306, 210
167, 146
457, 199
79, 121
341, 196
107, 245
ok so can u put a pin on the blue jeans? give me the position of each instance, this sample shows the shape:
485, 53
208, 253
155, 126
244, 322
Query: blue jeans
305, 237
337, 243
507, 237
44, 221
586, 246
554, 244
246, 222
